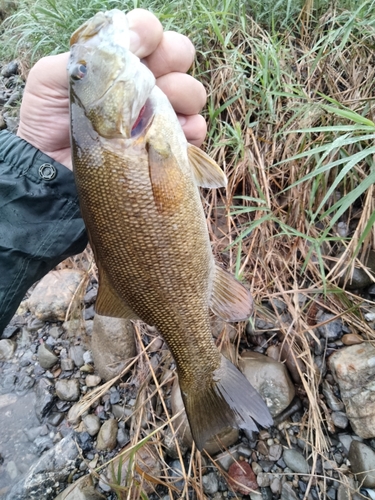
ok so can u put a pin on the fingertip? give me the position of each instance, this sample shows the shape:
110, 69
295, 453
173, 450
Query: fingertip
146, 32
194, 128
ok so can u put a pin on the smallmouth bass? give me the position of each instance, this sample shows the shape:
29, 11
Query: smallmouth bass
137, 180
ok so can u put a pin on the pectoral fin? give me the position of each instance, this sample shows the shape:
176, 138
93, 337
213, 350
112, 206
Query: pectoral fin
108, 303
207, 173
230, 300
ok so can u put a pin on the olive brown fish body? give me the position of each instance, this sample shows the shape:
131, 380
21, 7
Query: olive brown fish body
137, 182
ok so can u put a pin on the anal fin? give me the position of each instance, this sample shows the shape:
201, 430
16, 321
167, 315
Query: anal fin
228, 400
108, 303
230, 300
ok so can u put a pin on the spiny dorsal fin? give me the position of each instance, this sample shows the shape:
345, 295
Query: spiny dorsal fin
229, 299
207, 173
228, 400
108, 303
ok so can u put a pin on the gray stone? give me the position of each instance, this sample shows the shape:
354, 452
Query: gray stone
263, 479
82, 489
332, 401
7, 348
275, 452
343, 492
123, 437
353, 368
67, 364
92, 424
340, 419
210, 483
54, 293
76, 353
47, 473
275, 486
295, 461
55, 331
46, 358
362, 460
332, 330
10, 69
107, 437
287, 492
9, 330
92, 380
44, 398
270, 378
67, 390
112, 345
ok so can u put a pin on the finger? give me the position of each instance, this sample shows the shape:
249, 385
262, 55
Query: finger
51, 72
194, 127
146, 32
185, 93
174, 53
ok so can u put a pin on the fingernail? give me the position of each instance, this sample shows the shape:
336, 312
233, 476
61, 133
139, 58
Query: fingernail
182, 119
135, 42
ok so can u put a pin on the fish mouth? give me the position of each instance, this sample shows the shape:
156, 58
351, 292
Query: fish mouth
143, 120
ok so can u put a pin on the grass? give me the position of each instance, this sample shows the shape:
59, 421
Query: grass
291, 120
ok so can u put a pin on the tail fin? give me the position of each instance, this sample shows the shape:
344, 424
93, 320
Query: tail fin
228, 401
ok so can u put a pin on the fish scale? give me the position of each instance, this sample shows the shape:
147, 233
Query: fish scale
137, 180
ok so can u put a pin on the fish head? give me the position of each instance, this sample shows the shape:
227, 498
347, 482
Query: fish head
107, 81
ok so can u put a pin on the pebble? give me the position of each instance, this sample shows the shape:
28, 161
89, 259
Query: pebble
295, 461
332, 401
76, 353
353, 368
332, 330
275, 486
67, 390
270, 378
123, 437
351, 339
343, 492
10, 69
82, 489
242, 473
92, 380
46, 358
107, 437
263, 479
67, 364
9, 330
287, 492
275, 451
91, 424
7, 348
362, 459
340, 419
44, 397
210, 483
54, 293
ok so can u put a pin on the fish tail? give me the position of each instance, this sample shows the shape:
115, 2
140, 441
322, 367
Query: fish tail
228, 400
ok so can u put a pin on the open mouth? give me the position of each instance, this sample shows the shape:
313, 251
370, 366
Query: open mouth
143, 119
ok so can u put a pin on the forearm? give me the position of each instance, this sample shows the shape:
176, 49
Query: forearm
40, 221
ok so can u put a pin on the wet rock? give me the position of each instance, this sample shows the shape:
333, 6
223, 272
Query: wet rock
353, 368
107, 437
241, 478
82, 489
92, 424
147, 464
269, 378
112, 345
44, 398
67, 389
7, 348
47, 473
362, 459
92, 380
339, 419
210, 483
295, 461
54, 293
46, 358
225, 438
332, 330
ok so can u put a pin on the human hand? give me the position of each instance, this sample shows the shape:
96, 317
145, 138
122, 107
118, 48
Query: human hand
44, 118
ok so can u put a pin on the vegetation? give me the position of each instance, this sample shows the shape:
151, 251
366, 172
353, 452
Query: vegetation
291, 120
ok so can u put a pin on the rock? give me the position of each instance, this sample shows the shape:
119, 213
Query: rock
295, 461
44, 398
76, 352
46, 358
275, 451
351, 339
107, 437
123, 437
210, 483
241, 478
55, 331
54, 293
82, 489
225, 438
47, 473
7, 348
147, 465
287, 492
359, 278
275, 486
92, 380
332, 330
67, 389
362, 459
226, 458
9, 330
353, 368
343, 493
67, 364
263, 479
270, 378
295, 365
339, 419
112, 345
10, 69
92, 424
332, 401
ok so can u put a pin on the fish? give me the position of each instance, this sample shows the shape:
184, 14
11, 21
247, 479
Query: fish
138, 184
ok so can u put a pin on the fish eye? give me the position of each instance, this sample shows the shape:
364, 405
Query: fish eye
79, 71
